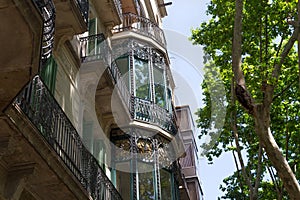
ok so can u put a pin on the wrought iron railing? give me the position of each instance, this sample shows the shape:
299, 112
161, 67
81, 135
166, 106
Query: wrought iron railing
143, 26
120, 83
47, 11
152, 113
93, 47
140, 109
118, 5
38, 104
84, 8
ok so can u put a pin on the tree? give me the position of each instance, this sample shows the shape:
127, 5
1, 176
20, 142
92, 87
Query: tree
252, 44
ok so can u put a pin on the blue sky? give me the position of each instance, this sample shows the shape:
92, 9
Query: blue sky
186, 68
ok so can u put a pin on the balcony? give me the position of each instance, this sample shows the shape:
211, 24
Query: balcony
47, 11
71, 16
142, 26
20, 39
146, 111
140, 110
109, 11
41, 108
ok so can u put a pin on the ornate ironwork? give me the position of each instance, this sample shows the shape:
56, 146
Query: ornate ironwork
157, 58
134, 151
37, 102
156, 167
84, 8
141, 51
118, 5
94, 47
119, 83
143, 26
122, 149
148, 111
47, 11
139, 109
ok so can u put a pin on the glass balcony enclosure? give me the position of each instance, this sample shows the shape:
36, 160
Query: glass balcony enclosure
145, 75
143, 165
143, 69
137, 66
139, 71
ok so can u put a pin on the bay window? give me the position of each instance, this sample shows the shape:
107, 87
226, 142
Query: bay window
142, 79
149, 78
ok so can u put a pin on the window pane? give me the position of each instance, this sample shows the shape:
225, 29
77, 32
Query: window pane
92, 31
159, 86
123, 67
146, 181
166, 184
123, 180
142, 79
92, 26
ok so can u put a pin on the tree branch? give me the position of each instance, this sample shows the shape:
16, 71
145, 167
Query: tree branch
236, 139
238, 171
241, 91
285, 89
274, 180
258, 172
277, 68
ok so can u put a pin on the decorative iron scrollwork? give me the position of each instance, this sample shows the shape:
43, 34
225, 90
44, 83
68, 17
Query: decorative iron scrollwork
41, 108
142, 26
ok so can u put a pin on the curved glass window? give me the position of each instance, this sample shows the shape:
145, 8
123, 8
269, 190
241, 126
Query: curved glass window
166, 184
142, 79
159, 85
123, 180
123, 67
146, 181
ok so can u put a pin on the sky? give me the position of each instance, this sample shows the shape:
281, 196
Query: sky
186, 65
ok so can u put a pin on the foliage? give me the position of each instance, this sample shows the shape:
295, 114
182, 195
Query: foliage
265, 31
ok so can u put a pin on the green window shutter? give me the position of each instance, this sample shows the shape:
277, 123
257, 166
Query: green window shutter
48, 74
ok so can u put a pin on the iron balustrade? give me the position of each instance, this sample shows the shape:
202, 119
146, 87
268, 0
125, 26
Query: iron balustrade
143, 26
119, 83
93, 47
140, 109
47, 11
118, 5
38, 104
84, 9
152, 113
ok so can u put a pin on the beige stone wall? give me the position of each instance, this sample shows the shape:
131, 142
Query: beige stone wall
66, 88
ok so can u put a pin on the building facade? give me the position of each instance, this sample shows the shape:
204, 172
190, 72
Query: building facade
87, 102
189, 163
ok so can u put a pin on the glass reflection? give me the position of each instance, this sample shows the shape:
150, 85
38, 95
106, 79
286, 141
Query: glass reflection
166, 187
159, 85
123, 180
146, 181
142, 79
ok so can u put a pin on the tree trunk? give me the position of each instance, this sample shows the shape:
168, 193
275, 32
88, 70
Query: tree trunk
261, 112
262, 128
